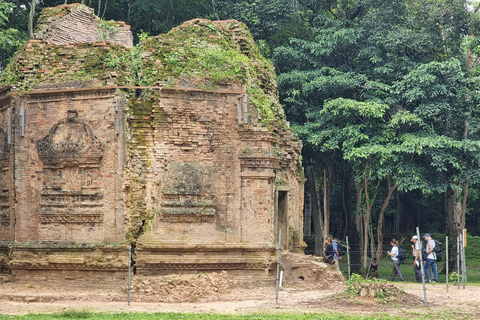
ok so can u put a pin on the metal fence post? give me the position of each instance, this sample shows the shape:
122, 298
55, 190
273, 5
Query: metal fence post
446, 261
129, 271
422, 269
278, 264
348, 257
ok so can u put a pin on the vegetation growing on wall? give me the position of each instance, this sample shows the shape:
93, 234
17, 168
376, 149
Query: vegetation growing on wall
38, 62
106, 29
52, 14
200, 53
207, 54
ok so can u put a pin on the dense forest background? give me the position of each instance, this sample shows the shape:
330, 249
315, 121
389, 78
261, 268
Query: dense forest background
383, 93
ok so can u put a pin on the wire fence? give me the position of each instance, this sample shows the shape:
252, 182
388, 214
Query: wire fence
379, 269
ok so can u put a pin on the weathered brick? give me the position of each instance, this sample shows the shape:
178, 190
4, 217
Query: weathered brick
181, 174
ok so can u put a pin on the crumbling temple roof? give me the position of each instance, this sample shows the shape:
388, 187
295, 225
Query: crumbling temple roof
76, 23
199, 54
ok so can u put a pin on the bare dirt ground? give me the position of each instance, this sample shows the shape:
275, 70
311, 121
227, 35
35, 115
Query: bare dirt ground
218, 293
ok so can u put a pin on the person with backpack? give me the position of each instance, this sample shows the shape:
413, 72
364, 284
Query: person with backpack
416, 249
396, 261
431, 260
328, 251
336, 248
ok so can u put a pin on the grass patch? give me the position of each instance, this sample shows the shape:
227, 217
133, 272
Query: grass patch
200, 316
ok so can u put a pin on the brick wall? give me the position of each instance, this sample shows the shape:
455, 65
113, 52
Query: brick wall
75, 23
69, 192
189, 177
6, 169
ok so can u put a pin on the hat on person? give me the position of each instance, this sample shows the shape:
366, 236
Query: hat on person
426, 235
414, 238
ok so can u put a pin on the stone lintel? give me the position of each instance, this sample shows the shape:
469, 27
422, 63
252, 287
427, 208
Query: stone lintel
107, 88
257, 175
58, 246
182, 247
199, 259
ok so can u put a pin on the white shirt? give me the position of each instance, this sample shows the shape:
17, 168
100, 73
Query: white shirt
432, 255
395, 252
418, 248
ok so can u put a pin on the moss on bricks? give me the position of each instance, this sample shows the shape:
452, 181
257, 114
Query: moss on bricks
199, 53
40, 63
211, 53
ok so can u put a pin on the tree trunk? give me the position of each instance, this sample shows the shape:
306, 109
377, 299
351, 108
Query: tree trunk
104, 8
315, 212
358, 216
368, 210
381, 216
215, 10
372, 242
464, 202
366, 221
128, 11
309, 196
351, 230
30, 18
455, 218
327, 186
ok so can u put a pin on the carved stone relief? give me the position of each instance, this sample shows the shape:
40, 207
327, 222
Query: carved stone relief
4, 207
82, 206
187, 194
4, 146
4, 191
70, 196
70, 143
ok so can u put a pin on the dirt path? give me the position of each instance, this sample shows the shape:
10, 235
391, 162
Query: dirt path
22, 298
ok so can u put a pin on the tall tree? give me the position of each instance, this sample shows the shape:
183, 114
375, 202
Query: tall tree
10, 37
30, 18
404, 55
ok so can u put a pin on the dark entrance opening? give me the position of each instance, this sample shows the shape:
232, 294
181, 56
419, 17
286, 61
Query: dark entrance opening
281, 216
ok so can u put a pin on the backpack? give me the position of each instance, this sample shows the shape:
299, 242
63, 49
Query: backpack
340, 248
424, 254
401, 254
438, 250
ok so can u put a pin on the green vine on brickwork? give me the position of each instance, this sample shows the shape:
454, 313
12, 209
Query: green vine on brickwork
80, 7
106, 29
113, 59
200, 54
201, 58
137, 62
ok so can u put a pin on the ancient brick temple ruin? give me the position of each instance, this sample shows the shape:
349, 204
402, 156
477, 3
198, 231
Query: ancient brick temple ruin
176, 146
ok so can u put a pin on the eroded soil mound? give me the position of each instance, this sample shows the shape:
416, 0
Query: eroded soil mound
299, 271
303, 271
380, 297
183, 287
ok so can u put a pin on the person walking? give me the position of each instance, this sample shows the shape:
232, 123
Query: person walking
416, 247
328, 251
431, 259
396, 262
336, 255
